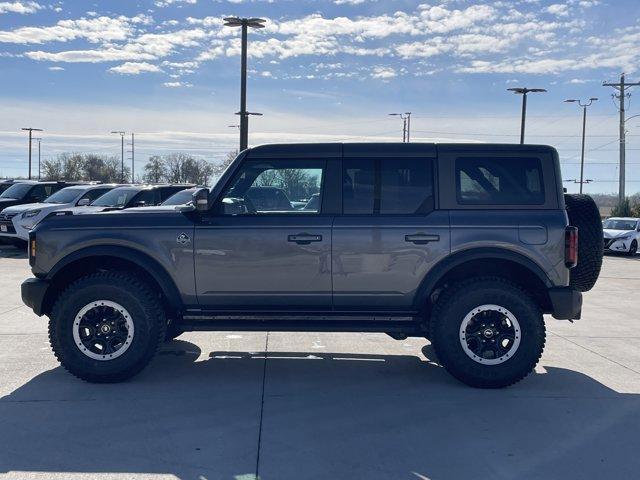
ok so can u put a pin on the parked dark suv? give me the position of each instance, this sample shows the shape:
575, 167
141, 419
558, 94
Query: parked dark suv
466, 245
29, 191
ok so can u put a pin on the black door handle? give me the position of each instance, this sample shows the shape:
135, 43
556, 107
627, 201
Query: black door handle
304, 238
421, 238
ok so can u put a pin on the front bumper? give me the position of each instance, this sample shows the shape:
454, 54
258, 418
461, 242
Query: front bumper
614, 245
566, 303
34, 291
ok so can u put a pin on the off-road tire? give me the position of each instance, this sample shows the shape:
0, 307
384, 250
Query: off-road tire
136, 297
460, 299
584, 214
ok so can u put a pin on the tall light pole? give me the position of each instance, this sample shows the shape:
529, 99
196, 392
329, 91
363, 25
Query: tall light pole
38, 140
31, 130
244, 24
584, 128
122, 134
524, 91
406, 125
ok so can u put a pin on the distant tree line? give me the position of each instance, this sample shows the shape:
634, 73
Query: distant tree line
178, 168
171, 168
88, 167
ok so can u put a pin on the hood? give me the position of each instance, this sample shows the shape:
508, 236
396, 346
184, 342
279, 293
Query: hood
85, 210
27, 206
610, 233
8, 202
153, 209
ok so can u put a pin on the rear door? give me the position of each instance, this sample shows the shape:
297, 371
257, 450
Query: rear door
390, 233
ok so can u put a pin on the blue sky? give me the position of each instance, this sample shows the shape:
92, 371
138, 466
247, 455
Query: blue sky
325, 70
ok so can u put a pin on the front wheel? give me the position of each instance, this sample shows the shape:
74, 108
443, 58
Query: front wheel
633, 248
487, 332
106, 327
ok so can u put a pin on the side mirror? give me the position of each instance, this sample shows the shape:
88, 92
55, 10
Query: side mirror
83, 202
201, 200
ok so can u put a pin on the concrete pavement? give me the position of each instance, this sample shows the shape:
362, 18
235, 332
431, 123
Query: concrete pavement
325, 406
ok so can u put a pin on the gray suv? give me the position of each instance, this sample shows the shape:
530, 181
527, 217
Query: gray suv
466, 245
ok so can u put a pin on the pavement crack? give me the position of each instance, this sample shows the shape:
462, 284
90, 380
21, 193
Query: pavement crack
264, 378
596, 353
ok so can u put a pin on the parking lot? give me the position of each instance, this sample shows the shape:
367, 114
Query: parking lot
325, 406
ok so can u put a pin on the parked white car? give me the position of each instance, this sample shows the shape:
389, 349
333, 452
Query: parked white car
19, 219
621, 234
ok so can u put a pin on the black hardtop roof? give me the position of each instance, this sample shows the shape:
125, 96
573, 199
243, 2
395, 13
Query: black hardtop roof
328, 150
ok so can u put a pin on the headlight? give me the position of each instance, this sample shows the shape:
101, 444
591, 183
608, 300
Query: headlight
30, 213
624, 237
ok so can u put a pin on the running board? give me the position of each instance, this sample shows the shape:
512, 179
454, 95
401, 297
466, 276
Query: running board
311, 322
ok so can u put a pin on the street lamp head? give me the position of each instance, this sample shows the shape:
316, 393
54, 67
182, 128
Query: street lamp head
117, 132
32, 129
593, 99
395, 114
239, 22
525, 90
570, 100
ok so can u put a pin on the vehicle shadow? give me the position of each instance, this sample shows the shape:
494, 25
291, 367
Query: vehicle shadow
9, 251
320, 416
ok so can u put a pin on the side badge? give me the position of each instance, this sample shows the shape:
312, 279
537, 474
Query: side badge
183, 239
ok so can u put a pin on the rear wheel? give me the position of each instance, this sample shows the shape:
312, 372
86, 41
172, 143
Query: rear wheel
487, 332
633, 248
106, 327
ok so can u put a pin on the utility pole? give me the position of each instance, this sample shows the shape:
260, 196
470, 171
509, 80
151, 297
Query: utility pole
622, 96
122, 134
38, 140
406, 125
584, 128
524, 91
244, 24
133, 157
31, 130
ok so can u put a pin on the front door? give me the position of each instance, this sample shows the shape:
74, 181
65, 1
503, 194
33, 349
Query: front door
267, 244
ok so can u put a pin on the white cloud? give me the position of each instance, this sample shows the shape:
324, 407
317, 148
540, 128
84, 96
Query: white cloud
559, 9
383, 73
94, 30
166, 3
20, 7
135, 68
56, 69
177, 84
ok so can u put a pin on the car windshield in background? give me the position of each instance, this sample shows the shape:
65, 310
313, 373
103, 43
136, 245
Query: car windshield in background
17, 190
620, 224
118, 197
180, 198
66, 195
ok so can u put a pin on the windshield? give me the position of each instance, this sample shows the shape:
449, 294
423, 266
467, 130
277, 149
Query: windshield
66, 195
118, 197
613, 224
17, 190
179, 198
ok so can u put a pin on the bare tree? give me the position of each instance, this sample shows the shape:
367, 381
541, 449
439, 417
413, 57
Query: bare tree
155, 170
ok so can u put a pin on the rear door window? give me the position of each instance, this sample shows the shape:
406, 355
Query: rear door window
499, 181
387, 186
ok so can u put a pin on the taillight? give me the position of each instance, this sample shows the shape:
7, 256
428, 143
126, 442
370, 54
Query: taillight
32, 248
571, 247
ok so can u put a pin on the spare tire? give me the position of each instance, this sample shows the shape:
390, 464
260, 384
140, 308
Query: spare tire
584, 214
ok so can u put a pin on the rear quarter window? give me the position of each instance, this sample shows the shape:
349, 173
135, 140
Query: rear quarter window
499, 181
